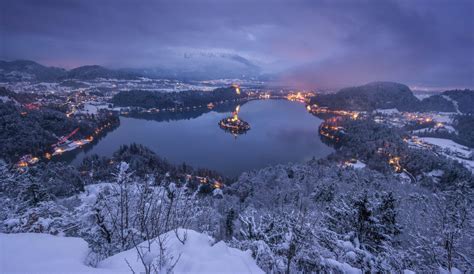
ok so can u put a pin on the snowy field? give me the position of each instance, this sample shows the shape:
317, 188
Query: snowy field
453, 150
448, 145
44, 253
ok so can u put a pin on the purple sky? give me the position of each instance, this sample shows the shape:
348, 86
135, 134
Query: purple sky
311, 43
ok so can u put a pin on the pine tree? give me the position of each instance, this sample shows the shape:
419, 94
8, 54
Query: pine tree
229, 223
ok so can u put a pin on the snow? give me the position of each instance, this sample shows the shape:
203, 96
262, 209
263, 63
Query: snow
356, 165
443, 117
351, 255
5, 99
453, 271
93, 107
449, 128
218, 192
421, 130
455, 103
387, 111
448, 144
446, 128
197, 255
421, 96
44, 253
452, 150
436, 173
343, 267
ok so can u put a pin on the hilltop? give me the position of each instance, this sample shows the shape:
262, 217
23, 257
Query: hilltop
25, 70
22, 70
389, 95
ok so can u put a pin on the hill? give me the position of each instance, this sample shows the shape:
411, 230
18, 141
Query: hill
205, 68
437, 102
462, 100
375, 95
21, 70
25, 70
94, 71
388, 95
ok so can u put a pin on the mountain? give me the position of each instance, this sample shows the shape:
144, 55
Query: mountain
190, 68
375, 95
94, 71
437, 102
204, 66
462, 100
459, 101
22, 70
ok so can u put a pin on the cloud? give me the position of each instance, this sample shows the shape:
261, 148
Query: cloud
314, 42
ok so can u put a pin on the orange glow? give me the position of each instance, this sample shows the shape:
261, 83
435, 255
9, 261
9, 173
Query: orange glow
235, 114
237, 88
395, 162
22, 164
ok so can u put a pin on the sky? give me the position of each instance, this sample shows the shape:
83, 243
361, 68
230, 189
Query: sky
425, 43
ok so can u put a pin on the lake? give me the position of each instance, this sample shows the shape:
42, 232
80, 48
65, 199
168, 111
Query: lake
281, 132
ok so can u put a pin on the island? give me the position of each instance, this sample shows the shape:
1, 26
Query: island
234, 124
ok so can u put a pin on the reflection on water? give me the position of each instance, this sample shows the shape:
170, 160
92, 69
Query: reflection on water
282, 132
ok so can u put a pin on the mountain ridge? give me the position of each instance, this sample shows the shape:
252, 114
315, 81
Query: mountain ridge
27, 70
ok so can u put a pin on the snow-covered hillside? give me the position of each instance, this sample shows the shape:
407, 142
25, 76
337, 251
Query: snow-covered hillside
44, 253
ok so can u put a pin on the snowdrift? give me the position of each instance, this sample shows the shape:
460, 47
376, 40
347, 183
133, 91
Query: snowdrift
43, 253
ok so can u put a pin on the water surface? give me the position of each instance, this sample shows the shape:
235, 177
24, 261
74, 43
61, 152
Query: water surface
281, 132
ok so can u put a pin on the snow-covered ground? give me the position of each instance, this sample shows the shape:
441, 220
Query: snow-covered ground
199, 254
93, 108
357, 165
455, 103
388, 111
452, 150
443, 128
44, 253
6, 99
448, 145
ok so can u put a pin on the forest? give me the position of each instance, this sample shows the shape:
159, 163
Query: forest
190, 98
24, 131
387, 95
310, 217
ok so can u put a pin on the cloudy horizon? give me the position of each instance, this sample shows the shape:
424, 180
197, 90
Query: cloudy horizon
306, 43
